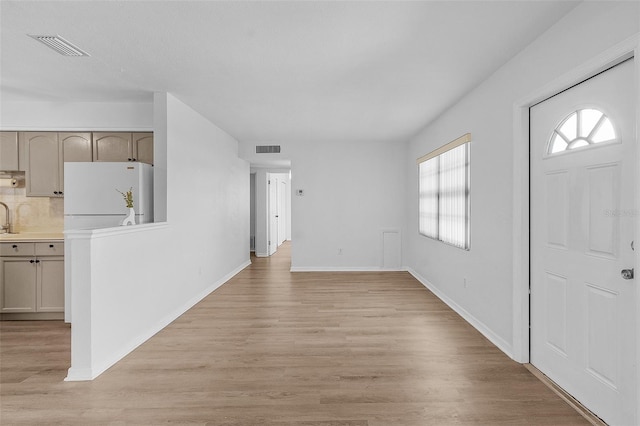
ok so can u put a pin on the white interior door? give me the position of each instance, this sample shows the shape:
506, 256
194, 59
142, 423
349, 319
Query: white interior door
583, 214
282, 211
273, 215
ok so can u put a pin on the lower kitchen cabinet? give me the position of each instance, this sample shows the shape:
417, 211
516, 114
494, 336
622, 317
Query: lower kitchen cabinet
31, 280
50, 285
19, 282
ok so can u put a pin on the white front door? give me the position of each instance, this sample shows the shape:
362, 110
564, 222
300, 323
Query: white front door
583, 211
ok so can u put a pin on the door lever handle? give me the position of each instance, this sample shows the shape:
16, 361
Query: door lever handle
627, 274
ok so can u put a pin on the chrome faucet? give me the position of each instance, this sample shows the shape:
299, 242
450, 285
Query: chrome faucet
7, 226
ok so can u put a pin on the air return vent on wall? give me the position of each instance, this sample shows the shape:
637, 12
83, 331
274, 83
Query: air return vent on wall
60, 45
267, 149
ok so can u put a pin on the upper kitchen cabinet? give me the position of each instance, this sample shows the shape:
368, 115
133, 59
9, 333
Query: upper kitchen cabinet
46, 153
123, 147
9, 151
76, 147
42, 164
143, 147
112, 147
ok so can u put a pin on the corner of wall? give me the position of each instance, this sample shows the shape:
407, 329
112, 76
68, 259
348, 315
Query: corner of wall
160, 156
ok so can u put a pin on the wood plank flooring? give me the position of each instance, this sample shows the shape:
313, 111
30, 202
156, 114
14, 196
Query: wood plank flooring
276, 348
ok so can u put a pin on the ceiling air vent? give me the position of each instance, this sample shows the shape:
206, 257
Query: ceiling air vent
60, 45
267, 149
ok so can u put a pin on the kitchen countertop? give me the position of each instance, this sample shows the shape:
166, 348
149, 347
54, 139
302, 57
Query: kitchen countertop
32, 237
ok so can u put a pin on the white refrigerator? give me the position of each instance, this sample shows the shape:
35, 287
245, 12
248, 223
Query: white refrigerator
91, 197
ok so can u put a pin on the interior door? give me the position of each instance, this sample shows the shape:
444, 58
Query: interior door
583, 214
282, 211
273, 215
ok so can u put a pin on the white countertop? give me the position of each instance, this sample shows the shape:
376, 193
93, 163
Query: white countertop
32, 237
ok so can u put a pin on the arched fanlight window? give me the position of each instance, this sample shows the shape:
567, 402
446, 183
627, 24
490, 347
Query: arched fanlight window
582, 128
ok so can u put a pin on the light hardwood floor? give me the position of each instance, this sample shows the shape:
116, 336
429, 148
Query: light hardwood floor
272, 347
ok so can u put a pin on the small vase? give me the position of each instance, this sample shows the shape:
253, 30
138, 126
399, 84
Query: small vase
130, 219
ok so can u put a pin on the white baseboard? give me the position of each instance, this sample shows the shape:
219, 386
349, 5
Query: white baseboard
343, 269
78, 375
502, 344
261, 254
83, 374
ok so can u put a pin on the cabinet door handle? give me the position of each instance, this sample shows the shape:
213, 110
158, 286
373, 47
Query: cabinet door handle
37, 261
50, 245
129, 159
31, 261
60, 193
14, 246
135, 159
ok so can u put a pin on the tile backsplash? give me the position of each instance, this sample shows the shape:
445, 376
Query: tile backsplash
31, 214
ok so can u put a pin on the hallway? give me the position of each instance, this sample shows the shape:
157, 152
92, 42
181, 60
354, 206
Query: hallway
272, 347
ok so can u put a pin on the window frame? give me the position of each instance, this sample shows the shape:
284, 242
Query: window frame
548, 152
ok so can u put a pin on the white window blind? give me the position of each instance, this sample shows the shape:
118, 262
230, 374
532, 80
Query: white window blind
429, 198
444, 193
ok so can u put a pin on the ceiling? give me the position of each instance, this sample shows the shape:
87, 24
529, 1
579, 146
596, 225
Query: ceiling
272, 72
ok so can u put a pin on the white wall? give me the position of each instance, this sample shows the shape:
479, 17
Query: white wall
352, 191
207, 193
96, 116
138, 280
487, 113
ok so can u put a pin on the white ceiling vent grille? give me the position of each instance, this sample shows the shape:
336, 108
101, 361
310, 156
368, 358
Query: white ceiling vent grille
267, 149
60, 45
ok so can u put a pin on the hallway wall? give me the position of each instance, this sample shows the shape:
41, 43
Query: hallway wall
479, 282
352, 192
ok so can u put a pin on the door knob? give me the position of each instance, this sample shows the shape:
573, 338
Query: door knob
627, 274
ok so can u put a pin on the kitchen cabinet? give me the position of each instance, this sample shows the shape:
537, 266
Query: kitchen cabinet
50, 285
143, 147
74, 147
123, 146
19, 283
112, 147
9, 151
42, 164
46, 153
32, 280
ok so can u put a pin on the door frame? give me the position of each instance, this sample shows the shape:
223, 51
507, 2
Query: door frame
521, 192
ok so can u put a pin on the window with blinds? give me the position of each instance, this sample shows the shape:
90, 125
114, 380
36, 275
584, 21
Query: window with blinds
444, 193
